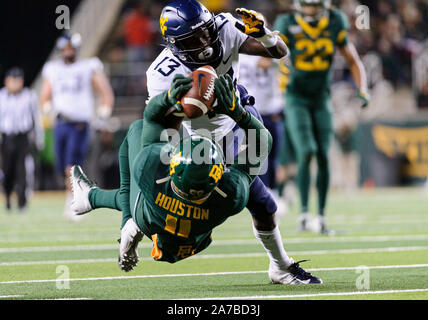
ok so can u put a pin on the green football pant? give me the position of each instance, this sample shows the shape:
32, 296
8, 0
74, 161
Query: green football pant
287, 154
310, 124
122, 199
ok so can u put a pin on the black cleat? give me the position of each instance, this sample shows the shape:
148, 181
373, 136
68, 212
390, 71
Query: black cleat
303, 276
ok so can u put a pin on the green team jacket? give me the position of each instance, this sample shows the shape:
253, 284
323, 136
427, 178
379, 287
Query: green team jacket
312, 47
181, 228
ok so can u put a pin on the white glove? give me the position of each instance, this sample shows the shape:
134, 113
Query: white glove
104, 111
128, 253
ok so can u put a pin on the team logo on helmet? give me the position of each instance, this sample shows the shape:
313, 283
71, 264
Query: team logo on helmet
216, 172
162, 22
175, 161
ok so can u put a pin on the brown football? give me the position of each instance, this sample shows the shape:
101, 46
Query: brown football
200, 98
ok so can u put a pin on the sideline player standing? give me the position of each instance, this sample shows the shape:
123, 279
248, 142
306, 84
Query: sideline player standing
313, 33
19, 123
180, 192
68, 91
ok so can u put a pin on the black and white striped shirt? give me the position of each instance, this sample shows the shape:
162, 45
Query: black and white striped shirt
19, 112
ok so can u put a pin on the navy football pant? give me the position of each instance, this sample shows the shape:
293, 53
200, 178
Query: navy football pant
274, 124
260, 201
71, 143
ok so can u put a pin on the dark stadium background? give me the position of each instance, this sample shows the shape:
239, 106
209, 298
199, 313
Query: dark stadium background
28, 35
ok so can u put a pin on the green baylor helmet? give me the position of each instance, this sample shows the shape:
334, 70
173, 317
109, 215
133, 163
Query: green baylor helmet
323, 4
196, 168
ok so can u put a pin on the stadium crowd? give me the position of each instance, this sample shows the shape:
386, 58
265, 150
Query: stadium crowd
397, 31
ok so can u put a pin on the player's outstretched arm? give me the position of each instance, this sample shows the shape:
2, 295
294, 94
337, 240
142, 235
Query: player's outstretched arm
261, 41
357, 71
258, 137
158, 106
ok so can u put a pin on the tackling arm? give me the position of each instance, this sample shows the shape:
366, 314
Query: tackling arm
155, 112
259, 140
357, 71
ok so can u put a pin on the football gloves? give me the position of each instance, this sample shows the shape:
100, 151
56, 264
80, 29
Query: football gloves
104, 112
254, 26
227, 101
364, 97
179, 86
254, 23
131, 235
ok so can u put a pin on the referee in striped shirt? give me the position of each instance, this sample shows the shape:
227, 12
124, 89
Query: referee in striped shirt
19, 126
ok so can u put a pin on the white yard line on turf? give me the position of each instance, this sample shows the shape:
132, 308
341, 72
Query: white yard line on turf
10, 297
309, 295
225, 255
208, 274
221, 243
64, 299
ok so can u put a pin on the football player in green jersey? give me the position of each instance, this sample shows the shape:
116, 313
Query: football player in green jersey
175, 194
312, 34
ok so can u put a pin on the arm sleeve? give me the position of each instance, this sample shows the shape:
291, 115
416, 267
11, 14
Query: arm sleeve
259, 144
154, 119
342, 36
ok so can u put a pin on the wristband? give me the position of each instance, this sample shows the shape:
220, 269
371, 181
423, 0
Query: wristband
104, 111
269, 40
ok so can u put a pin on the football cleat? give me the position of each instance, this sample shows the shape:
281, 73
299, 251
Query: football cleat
80, 186
319, 225
304, 222
293, 274
128, 251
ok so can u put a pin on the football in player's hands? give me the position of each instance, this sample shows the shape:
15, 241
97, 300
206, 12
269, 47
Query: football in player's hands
200, 98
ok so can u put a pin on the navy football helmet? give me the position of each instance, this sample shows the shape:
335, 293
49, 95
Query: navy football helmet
74, 39
191, 33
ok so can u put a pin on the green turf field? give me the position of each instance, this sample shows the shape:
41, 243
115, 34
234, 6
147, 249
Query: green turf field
385, 230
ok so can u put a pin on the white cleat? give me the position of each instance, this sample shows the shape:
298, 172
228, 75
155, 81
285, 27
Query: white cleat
80, 185
304, 223
319, 225
279, 276
68, 212
293, 274
131, 235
